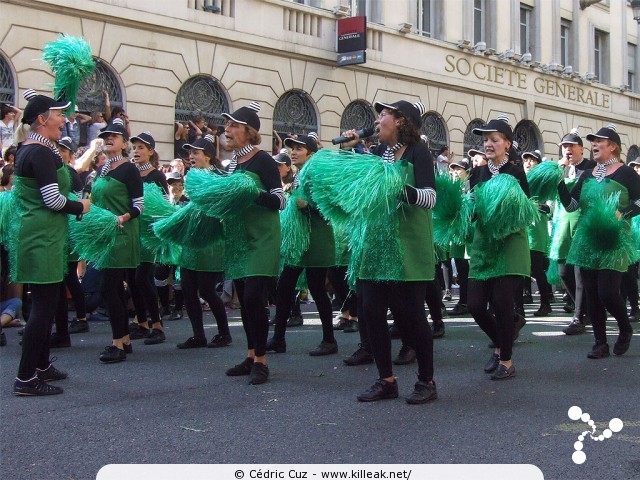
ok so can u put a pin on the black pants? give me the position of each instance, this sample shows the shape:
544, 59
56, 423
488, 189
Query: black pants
116, 298
406, 299
433, 297
35, 341
143, 291
629, 287
602, 290
346, 297
203, 284
62, 311
462, 265
539, 266
286, 287
252, 294
500, 292
572, 278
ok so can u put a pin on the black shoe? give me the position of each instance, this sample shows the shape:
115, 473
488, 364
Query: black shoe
112, 354
192, 342
241, 369
341, 323
155, 337
406, 355
51, 374
599, 350
220, 341
78, 326
259, 374
295, 321
394, 332
527, 298
325, 348
359, 357
569, 307
352, 326
278, 346
503, 373
136, 332
437, 330
519, 323
59, 341
3, 339
175, 315
576, 327
459, 309
35, 387
128, 348
543, 311
634, 314
381, 390
622, 343
423, 392
492, 364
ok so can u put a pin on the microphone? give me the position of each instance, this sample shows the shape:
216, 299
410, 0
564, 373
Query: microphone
363, 133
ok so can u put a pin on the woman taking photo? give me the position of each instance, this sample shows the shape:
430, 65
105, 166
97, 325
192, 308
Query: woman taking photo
602, 266
38, 256
118, 188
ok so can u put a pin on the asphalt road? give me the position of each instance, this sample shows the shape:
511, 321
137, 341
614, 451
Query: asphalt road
165, 405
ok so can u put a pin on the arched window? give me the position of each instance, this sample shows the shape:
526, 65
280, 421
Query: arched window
203, 95
295, 113
358, 115
633, 153
434, 127
471, 140
7, 82
528, 137
91, 92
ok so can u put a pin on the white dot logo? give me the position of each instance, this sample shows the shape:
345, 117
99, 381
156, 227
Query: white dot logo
575, 413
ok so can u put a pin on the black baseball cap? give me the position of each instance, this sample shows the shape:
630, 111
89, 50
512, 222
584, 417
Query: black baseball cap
474, 151
462, 163
38, 104
206, 144
67, 142
411, 111
609, 133
116, 126
246, 115
283, 158
571, 138
146, 138
499, 125
173, 177
635, 161
305, 140
535, 155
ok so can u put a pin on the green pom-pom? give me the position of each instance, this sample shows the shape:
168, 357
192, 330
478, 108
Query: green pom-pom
94, 236
452, 213
219, 195
502, 208
635, 230
6, 214
71, 61
296, 233
156, 208
553, 273
190, 226
543, 181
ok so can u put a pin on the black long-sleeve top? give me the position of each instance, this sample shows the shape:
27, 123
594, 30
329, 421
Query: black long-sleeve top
157, 177
580, 168
40, 163
128, 174
263, 165
624, 175
483, 174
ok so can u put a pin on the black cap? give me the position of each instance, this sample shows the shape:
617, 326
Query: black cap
499, 125
38, 104
305, 140
173, 177
246, 115
283, 158
571, 138
474, 151
608, 133
462, 163
116, 126
206, 144
67, 142
635, 161
536, 154
146, 138
412, 112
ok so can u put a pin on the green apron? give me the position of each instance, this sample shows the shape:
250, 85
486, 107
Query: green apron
322, 249
457, 251
564, 227
539, 234
39, 253
112, 195
414, 238
252, 240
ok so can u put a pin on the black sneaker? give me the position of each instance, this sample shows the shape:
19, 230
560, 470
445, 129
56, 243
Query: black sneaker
241, 369
543, 311
175, 315
155, 337
78, 326
193, 342
492, 364
406, 356
59, 341
599, 350
220, 341
51, 374
576, 327
381, 390
259, 374
423, 392
359, 357
136, 332
622, 343
325, 348
3, 339
35, 387
352, 326
112, 354
295, 321
341, 323
278, 346
503, 373
437, 329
